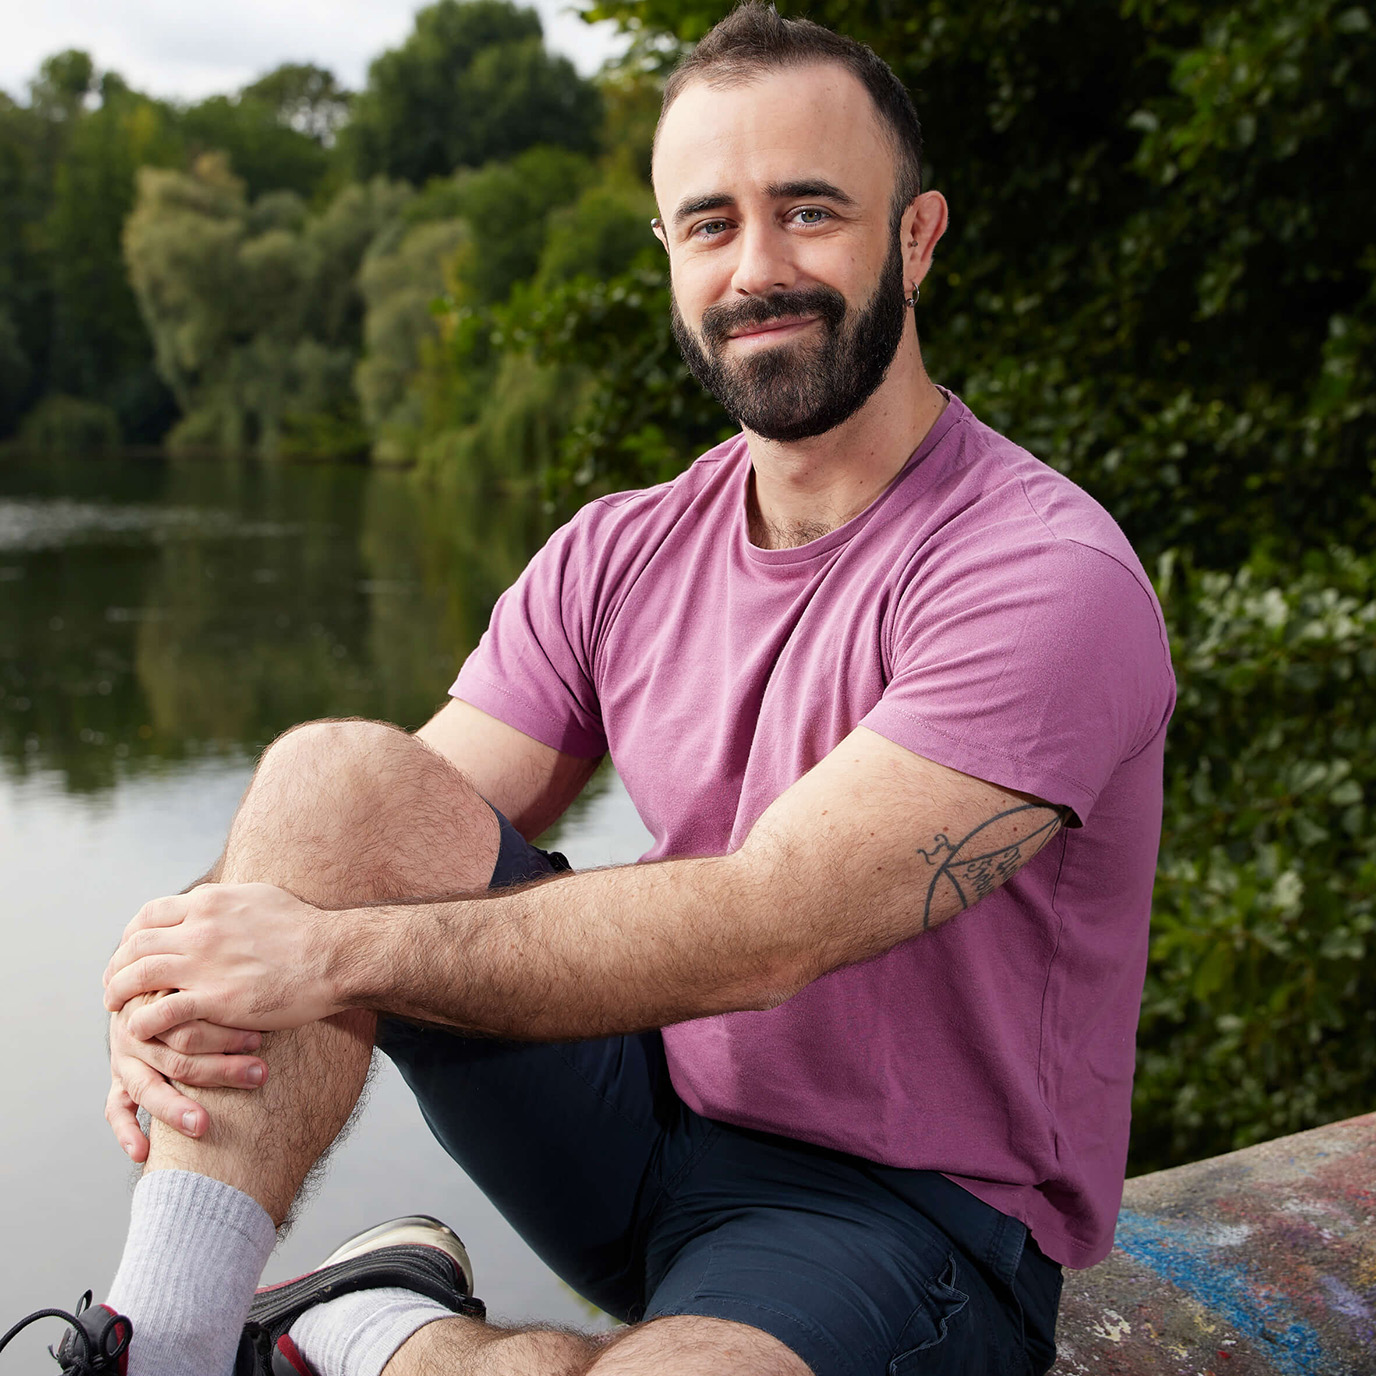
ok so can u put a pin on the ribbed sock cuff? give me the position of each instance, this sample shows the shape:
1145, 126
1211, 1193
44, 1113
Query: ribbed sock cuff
195, 1250
358, 1334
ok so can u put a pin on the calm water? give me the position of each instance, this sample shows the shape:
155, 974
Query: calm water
159, 624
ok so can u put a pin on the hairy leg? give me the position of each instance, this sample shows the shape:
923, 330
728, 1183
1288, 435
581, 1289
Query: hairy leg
681, 1346
339, 813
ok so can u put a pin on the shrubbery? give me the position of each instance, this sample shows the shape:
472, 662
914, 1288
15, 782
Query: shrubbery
1260, 1010
69, 425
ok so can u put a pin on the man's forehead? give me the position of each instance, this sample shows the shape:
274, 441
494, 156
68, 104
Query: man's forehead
792, 125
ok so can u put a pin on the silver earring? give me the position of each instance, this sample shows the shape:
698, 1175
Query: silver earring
912, 300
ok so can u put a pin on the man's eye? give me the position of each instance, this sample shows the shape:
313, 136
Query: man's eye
812, 215
708, 228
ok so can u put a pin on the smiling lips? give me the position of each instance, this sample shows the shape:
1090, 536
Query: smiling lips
769, 328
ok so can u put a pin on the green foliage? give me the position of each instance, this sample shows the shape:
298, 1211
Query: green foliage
67, 181
1260, 1009
97, 345
517, 431
401, 279
507, 206
254, 310
62, 85
69, 425
305, 98
472, 84
599, 236
268, 153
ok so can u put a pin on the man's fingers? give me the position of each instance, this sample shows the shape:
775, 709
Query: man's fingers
204, 1071
159, 912
205, 1038
152, 1020
165, 1102
121, 1112
147, 975
137, 944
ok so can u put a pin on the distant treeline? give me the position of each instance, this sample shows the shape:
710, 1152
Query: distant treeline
260, 272
1160, 277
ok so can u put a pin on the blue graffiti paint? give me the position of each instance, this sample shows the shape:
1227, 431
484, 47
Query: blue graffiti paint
1202, 1272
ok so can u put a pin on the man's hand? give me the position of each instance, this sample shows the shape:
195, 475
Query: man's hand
196, 1054
246, 956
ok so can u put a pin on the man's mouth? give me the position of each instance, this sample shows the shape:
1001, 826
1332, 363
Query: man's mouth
772, 329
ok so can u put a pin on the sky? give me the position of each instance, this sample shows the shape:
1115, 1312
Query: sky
170, 48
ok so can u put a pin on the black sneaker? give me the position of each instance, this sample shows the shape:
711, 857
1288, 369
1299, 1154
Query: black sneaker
416, 1253
96, 1344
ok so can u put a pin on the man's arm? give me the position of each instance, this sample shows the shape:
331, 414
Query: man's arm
528, 782
874, 846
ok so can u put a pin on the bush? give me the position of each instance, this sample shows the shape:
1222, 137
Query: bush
1260, 1010
69, 425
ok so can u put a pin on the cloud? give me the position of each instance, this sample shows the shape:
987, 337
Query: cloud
172, 49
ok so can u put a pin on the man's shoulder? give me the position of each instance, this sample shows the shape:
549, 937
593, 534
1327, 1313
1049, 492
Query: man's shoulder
990, 477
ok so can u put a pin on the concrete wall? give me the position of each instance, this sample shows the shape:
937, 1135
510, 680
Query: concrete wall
1259, 1263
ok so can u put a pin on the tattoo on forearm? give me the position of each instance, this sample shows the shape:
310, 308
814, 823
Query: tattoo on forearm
971, 871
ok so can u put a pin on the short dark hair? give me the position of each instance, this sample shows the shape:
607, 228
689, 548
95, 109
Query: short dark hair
756, 38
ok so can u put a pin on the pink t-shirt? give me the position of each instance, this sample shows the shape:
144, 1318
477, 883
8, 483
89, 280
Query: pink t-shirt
984, 613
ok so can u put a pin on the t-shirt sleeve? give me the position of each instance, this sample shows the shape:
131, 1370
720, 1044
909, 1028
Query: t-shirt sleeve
533, 666
1039, 670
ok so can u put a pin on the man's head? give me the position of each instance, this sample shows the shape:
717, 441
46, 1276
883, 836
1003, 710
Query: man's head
788, 172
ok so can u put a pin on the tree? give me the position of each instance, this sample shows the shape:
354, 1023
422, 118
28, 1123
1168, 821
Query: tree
473, 83
402, 277
99, 348
305, 98
254, 309
267, 153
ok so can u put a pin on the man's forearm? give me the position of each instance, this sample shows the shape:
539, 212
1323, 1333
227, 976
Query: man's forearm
582, 955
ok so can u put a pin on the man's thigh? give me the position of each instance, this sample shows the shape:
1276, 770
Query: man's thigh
813, 1249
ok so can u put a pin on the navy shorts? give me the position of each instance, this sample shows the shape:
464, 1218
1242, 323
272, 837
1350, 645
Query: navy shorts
649, 1209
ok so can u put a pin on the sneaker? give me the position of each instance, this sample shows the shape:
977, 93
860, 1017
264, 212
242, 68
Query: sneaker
95, 1344
416, 1253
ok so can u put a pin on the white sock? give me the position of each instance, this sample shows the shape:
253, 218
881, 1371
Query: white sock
358, 1334
191, 1263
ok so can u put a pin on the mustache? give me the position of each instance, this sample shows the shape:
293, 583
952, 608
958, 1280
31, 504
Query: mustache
721, 321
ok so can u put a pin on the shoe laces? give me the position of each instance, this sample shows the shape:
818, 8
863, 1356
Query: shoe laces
90, 1354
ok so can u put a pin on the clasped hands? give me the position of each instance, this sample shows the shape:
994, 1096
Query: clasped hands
195, 982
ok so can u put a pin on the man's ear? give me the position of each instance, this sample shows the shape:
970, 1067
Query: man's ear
657, 229
922, 225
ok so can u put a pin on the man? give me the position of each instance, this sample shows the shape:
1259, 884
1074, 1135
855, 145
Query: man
862, 669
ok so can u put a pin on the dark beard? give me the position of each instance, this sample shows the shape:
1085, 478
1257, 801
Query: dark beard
794, 391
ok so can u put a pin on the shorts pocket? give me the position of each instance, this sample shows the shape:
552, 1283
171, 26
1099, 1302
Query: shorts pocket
926, 1329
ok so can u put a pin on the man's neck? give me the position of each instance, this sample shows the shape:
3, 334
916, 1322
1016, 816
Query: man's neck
804, 490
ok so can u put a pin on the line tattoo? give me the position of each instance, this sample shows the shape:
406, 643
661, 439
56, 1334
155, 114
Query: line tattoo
972, 872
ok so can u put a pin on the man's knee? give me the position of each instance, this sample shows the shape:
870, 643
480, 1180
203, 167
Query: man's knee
337, 746
373, 796
354, 762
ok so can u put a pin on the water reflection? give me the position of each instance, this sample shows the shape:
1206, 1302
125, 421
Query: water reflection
159, 624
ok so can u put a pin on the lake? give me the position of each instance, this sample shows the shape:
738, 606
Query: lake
160, 623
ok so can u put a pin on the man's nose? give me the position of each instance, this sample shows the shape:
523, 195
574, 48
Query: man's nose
766, 263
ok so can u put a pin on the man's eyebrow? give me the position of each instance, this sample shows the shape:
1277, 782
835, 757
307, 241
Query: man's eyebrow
695, 206
811, 186
776, 191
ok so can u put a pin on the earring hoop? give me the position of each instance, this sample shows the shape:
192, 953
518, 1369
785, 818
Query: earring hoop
912, 299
